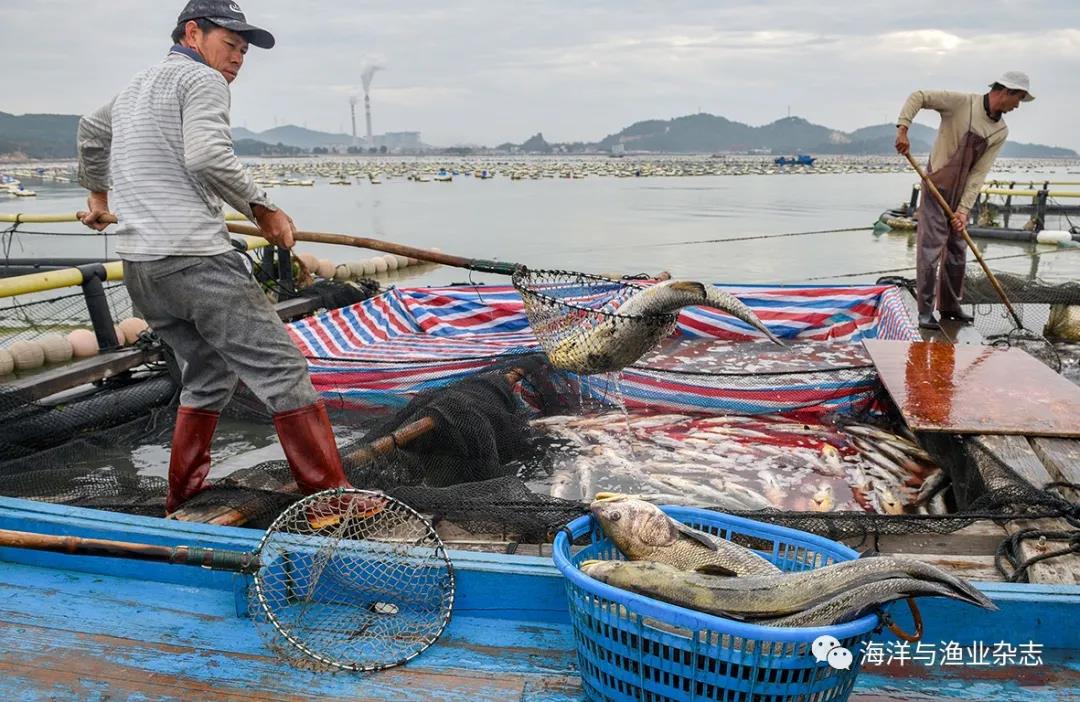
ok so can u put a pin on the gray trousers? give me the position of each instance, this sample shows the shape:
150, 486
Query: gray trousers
222, 328
940, 259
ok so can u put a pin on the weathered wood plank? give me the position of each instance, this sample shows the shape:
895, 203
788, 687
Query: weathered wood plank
969, 567
1062, 460
978, 539
49, 656
1016, 452
204, 621
87, 370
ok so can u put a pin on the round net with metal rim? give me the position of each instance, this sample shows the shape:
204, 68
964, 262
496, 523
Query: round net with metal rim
575, 318
353, 580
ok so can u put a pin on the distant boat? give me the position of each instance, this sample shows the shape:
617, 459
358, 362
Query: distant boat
799, 160
443, 177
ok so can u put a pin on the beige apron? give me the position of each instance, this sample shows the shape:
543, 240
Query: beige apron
935, 234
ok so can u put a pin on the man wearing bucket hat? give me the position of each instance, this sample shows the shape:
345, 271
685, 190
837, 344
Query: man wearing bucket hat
971, 134
161, 154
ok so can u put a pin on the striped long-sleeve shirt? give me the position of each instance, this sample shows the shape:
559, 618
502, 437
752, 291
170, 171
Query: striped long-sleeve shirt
163, 150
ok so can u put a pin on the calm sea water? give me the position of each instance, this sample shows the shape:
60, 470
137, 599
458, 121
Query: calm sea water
595, 224
607, 224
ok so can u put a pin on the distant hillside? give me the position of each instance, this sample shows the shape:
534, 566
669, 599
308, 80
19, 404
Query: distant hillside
292, 135
38, 136
53, 137
708, 133
705, 133
253, 147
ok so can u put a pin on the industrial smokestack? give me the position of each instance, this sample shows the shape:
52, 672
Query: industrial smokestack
352, 108
366, 76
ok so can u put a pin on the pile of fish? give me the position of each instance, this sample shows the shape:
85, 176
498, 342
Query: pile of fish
674, 563
740, 463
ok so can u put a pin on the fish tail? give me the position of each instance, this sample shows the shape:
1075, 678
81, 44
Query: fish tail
721, 300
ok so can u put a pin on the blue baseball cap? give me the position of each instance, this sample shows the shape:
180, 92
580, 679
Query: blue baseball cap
227, 14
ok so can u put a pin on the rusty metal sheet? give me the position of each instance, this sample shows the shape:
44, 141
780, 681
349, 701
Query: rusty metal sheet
970, 389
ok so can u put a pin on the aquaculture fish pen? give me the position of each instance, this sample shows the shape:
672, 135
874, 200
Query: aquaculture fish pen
441, 397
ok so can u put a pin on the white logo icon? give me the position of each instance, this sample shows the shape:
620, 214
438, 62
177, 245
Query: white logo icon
828, 648
840, 658
235, 8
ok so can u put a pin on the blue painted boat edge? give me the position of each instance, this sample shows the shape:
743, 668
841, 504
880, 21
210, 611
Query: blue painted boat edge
504, 586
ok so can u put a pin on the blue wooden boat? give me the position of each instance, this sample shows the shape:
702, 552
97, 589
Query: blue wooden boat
90, 628
799, 160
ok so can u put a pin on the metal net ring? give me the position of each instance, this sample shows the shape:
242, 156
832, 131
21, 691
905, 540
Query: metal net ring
575, 315
352, 580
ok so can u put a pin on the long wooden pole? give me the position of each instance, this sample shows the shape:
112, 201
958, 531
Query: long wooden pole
473, 264
967, 237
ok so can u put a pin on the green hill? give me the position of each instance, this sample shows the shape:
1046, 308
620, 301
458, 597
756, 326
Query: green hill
38, 136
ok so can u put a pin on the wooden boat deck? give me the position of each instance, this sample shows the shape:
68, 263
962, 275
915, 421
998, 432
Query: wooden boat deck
80, 628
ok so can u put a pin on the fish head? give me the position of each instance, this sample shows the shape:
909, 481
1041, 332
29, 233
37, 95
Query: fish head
822, 500
634, 526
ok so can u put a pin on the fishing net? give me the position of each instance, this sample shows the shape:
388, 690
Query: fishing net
351, 580
27, 317
574, 317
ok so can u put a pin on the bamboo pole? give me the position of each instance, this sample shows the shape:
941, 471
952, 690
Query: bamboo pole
472, 264
967, 237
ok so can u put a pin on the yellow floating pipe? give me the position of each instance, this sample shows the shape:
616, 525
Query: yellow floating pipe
1029, 193
51, 280
20, 218
1033, 182
70, 277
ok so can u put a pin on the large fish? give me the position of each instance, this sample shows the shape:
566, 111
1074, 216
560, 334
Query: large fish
627, 334
644, 533
771, 596
861, 599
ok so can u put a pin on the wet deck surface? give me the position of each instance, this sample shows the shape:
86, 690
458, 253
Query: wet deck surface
976, 389
78, 636
83, 636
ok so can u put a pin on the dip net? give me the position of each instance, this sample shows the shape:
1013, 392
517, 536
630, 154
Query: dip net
574, 317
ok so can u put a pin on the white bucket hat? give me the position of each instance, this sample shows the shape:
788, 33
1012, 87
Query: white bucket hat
1016, 80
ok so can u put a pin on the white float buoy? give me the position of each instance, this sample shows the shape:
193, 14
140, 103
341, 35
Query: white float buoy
356, 269
325, 269
1050, 236
342, 272
369, 267
391, 262
380, 264
121, 337
7, 363
402, 261
27, 355
132, 327
311, 262
83, 343
56, 347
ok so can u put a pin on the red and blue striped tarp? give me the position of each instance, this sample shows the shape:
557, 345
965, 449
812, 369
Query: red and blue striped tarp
383, 350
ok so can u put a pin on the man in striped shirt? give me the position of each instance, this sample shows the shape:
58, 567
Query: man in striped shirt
161, 155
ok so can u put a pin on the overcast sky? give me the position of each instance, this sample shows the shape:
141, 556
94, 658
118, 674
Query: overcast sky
488, 71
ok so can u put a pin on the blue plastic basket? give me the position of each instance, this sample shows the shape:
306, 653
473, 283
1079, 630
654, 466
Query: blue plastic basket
634, 648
